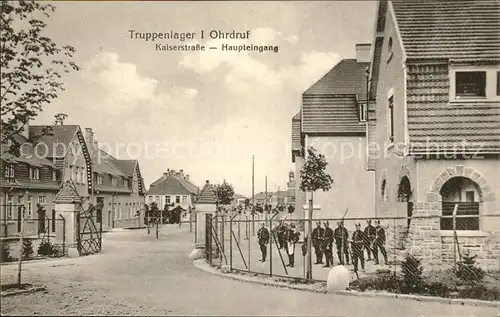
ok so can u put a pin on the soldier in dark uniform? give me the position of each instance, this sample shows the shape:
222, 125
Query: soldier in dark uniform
281, 230
263, 236
370, 236
341, 240
291, 238
357, 243
317, 234
379, 242
327, 241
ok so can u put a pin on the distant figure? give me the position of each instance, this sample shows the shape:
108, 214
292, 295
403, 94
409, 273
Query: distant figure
341, 239
370, 236
327, 241
282, 229
379, 242
263, 237
317, 234
292, 237
357, 244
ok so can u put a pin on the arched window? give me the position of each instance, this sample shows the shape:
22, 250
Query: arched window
384, 192
467, 195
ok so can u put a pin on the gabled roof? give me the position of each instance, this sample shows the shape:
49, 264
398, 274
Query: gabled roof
104, 163
331, 104
57, 141
68, 194
348, 77
27, 151
172, 185
207, 195
460, 30
126, 166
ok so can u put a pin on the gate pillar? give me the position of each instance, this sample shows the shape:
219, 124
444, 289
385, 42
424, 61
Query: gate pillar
67, 205
206, 204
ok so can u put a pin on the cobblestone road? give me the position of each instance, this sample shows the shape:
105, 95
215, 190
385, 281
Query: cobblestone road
139, 275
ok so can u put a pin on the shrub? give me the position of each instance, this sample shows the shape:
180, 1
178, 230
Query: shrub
412, 273
46, 248
385, 282
466, 270
6, 257
27, 248
479, 292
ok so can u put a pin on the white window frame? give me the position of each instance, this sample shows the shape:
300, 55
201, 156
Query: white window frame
125, 183
99, 179
34, 173
491, 82
184, 199
30, 211
177, 199
390, 118
362, 112
42, 200
10, 200
9, 171
167, 199
54, 175
113, 181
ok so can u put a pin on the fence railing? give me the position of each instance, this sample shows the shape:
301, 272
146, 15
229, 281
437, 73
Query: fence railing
39, 238
231, 241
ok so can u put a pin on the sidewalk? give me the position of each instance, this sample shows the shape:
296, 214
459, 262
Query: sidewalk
320, 287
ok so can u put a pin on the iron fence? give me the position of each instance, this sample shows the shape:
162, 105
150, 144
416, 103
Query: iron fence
40, 238
236, 242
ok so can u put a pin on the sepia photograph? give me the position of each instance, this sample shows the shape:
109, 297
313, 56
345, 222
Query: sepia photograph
250, 158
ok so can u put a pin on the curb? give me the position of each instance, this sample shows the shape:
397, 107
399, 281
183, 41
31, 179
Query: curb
202, 265
22, 291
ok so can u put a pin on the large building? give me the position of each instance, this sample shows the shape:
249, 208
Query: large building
64, 153
118, 188
173, 189
436, 75
332, 120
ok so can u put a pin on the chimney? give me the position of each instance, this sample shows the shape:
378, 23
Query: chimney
363, 53
89, 136
165, 175
187, 177
181, 172
26, 129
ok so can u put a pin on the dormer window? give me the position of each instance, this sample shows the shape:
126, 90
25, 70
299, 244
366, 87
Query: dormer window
125, 183
34, 173
99, 179
9, 172
54, 175
362, 112
113, 181
470, 85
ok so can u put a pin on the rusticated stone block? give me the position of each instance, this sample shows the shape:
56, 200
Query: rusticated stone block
460, 169
468, 172
475, 176
432, 197
452, 171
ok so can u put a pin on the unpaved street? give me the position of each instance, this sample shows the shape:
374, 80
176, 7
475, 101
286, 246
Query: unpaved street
137, 274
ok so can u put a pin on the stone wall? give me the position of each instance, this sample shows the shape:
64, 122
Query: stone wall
435, 247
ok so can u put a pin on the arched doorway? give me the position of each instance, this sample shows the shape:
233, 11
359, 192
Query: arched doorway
405, 195
465, 193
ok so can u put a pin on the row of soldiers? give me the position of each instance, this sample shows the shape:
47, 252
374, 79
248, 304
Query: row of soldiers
371, 239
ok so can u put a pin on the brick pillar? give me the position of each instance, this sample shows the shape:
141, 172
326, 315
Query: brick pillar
424, 236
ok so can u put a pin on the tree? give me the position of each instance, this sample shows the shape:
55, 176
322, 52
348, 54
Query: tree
31, 64
313, 178
224, 193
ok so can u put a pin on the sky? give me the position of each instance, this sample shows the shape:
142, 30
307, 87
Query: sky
204, 112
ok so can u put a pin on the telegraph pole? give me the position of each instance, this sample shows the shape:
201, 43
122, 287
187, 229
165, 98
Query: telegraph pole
265, 203
253, 194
